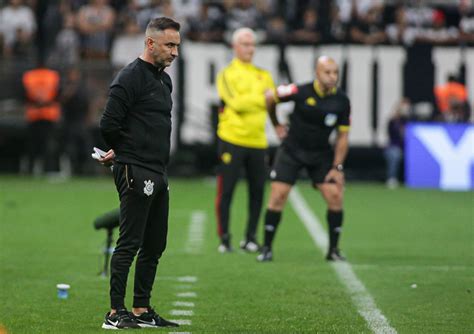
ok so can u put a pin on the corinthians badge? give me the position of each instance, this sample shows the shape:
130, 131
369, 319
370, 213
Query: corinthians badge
148, 190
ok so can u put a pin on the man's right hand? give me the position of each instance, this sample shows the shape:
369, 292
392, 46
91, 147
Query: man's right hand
108, 159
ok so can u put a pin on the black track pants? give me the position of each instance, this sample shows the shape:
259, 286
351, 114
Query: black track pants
144, 202
232, 159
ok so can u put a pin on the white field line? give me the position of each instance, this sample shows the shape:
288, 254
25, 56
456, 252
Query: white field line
184, 287
179, 332
183, 304
188, 294
196, 232
395, 267
185, 322
187, 279
182, 312
362, 299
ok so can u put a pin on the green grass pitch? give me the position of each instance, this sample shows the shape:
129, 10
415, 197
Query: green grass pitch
393, 239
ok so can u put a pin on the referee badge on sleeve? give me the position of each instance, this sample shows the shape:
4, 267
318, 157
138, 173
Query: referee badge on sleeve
330, 119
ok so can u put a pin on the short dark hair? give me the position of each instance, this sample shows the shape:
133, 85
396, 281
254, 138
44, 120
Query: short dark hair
163, 23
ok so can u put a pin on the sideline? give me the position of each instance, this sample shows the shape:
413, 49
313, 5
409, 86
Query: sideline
361, 298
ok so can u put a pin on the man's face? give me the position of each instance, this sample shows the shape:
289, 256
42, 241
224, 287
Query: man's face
328, 74
244, 47
163, 47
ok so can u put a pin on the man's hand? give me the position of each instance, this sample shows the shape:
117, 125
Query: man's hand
281, 131
108, 159
335, 176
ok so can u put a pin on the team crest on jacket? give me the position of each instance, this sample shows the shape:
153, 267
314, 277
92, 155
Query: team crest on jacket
148, 190
330, 119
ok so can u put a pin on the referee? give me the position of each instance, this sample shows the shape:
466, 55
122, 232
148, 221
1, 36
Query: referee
320, 107
242, 140
136, 124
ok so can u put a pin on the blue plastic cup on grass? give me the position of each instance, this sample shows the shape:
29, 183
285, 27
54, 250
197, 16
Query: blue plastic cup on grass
63, 290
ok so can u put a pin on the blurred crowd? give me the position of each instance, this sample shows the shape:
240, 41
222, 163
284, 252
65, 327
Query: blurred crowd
66, 34
69, 30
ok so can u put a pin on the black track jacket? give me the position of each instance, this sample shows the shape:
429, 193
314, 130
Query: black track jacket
136, 122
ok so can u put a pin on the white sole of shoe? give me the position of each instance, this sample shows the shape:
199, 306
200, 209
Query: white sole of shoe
147, 326
105, 326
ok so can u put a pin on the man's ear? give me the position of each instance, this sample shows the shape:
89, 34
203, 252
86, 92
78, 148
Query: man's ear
149, 43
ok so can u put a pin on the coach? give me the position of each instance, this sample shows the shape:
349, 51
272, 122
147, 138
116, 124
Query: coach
136, 124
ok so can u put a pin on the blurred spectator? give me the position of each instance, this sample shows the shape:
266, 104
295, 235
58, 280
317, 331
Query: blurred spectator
337, 28
395, 31
208, 25
184, 10
243, 13
419, 13
76, 120
150, 9
438, 32
66, 51
17, 25
53, 22
276, 30
466, 22
420, 25
452, 101
396, 134
127, 19
167, 9
43, 111
96, 22
22, 48
350, 10
308, 31
368, 28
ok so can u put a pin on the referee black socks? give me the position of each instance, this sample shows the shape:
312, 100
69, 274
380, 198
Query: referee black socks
334, 219
272, 219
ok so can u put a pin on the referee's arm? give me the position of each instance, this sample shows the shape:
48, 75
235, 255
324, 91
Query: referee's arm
341, 146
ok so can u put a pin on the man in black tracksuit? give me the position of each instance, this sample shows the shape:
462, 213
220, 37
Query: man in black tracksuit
136, 124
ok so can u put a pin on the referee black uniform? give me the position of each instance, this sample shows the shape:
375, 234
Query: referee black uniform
314, 117
317, 112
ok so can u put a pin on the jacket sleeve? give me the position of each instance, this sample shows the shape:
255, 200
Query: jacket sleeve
120, 100
238, 102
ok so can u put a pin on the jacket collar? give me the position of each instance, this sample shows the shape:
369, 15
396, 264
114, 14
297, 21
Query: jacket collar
320, 92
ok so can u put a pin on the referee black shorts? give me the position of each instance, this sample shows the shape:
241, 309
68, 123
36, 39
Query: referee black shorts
288, 164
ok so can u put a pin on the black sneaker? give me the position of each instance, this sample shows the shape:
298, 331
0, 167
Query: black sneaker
250, 246
265, 255
335, 255
151, 319
120, 320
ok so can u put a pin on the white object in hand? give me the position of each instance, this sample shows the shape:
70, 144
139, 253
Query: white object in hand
98, 153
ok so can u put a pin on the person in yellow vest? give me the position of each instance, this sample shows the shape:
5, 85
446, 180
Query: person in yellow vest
242, 139
43, 112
